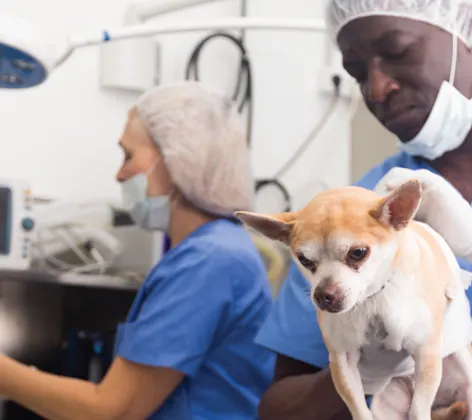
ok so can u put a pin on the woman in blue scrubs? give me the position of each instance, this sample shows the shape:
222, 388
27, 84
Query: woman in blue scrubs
186, 350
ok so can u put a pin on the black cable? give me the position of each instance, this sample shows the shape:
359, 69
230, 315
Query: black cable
261, 183
246, 100
245, 73
243, 13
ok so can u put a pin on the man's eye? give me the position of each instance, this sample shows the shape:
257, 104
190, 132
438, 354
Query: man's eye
357, 70
394, 54
307, 263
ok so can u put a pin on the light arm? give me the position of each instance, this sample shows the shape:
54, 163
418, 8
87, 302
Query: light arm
129, 391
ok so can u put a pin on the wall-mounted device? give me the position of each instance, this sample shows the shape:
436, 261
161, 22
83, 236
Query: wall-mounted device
17, 223
74, 236
30, 54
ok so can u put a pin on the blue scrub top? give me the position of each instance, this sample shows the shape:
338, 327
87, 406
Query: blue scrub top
292, 327
198, 312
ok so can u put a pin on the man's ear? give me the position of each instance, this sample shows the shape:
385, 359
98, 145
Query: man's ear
274, 226
399, 207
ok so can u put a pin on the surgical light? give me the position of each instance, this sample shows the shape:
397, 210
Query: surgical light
28, 54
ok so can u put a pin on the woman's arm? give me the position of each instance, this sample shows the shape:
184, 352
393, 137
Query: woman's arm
129, 391
301, 392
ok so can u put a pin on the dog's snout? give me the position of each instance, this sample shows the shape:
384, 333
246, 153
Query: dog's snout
325, 297
328, 298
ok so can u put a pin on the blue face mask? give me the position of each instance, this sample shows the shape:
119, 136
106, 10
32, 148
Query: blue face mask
149, 213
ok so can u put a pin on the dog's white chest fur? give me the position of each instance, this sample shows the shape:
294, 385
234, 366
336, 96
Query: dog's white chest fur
387, 327
381, 329
383, 354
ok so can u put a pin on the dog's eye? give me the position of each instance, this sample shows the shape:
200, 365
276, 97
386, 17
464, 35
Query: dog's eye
358, 254
308, 264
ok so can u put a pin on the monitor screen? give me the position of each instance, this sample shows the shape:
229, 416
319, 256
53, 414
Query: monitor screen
5, 220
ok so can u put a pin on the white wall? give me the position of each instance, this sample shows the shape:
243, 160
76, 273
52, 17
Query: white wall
289, 103
63, 134
369, 135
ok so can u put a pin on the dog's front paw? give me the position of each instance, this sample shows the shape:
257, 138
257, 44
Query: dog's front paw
367, 416
419, 415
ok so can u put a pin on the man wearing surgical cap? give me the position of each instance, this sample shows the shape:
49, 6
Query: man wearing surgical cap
186, 350
412, 60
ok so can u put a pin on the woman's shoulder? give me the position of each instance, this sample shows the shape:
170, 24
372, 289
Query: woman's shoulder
223, 246
227, 237
224, 257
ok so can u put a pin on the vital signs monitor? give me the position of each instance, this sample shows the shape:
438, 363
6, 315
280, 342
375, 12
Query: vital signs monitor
16, 223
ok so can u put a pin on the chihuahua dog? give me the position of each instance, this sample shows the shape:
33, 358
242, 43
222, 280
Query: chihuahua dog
388, 291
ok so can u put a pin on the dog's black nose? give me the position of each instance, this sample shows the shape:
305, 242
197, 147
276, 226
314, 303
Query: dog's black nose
327, 298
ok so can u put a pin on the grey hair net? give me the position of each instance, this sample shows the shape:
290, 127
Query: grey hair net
201, 137
454, 16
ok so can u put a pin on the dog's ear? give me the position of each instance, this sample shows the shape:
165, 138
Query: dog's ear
400, 206
274, 226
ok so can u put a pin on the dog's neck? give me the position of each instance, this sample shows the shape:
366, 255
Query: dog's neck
403, 251
382, 287
388, 268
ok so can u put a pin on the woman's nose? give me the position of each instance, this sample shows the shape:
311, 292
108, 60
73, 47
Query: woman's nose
120, 176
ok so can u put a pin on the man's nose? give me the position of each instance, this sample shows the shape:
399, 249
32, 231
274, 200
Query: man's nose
379, 85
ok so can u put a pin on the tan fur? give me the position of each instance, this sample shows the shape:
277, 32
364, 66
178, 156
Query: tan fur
344, 210
433, 265
437, 263
340, 209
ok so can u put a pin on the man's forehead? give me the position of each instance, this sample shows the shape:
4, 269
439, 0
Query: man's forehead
369, 29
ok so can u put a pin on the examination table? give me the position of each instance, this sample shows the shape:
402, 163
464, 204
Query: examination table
48, 320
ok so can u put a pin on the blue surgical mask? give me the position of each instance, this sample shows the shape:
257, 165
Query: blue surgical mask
149, 213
